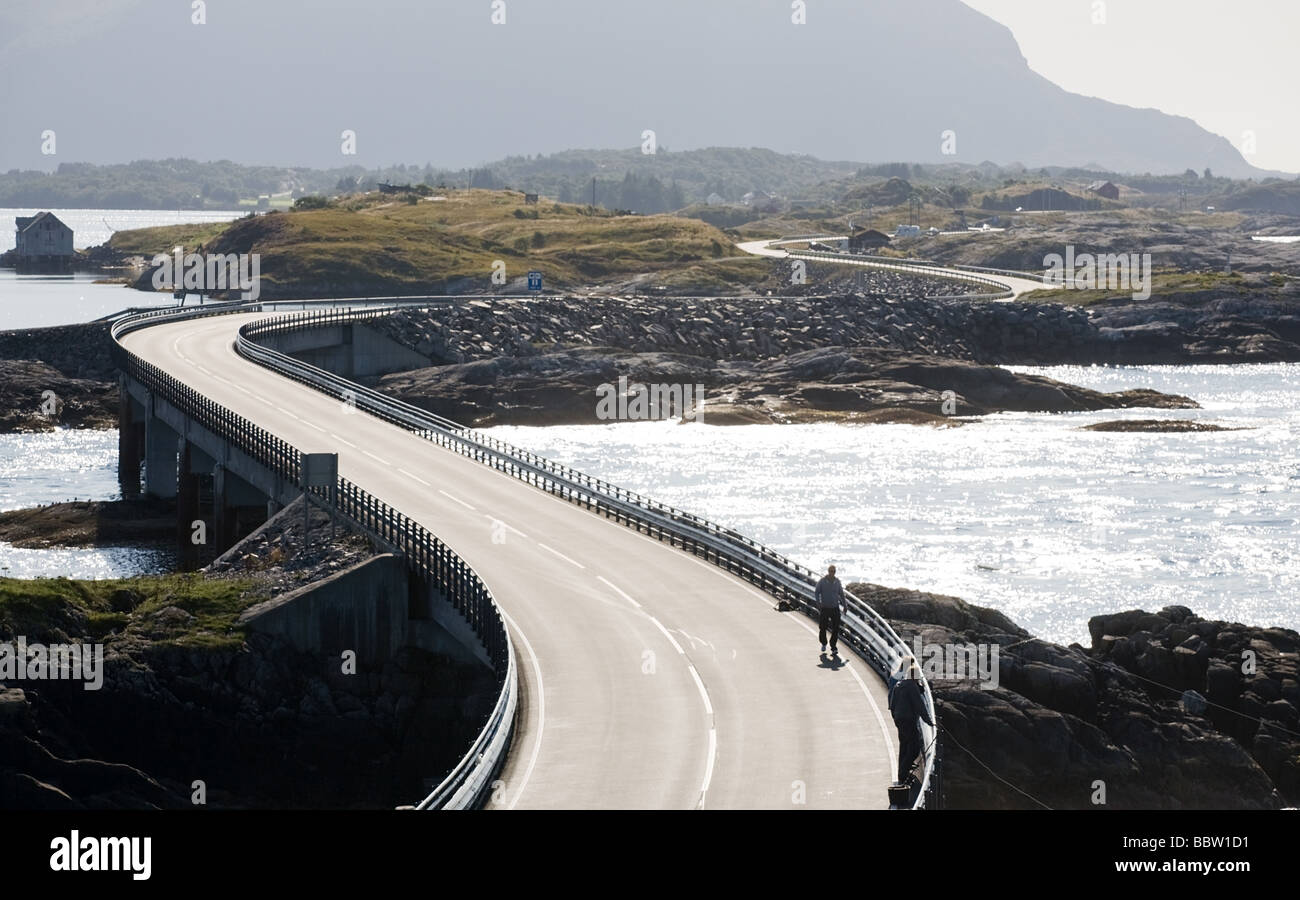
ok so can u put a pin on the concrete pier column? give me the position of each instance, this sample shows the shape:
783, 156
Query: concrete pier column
129, 440
187, 510
223, 513
160, 458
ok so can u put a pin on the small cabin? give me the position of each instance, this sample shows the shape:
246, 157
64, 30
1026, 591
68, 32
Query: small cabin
1105, 189
530, 199
42, 242
867, 239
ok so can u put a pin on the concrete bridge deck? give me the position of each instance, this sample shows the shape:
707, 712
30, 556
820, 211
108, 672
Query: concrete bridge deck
650, 679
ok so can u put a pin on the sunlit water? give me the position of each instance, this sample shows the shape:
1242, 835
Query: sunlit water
37, 469
1021, 512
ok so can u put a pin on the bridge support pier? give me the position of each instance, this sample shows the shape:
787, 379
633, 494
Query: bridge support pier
160, 471
237, 508
187, 509
223, 516
130, 440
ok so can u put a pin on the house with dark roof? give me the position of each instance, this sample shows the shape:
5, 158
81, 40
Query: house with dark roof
42, 241
867, 239
1105, 189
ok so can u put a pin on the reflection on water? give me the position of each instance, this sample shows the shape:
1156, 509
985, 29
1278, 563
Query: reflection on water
83, 562
1021, 512
68, 464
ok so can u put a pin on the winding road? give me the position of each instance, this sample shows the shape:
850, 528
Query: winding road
773, 248
650, 679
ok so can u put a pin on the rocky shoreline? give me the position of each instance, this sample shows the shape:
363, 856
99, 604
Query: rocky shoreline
57, 377
261, 724
1164, 710
94, 523
859, 385
762, 359
785, 360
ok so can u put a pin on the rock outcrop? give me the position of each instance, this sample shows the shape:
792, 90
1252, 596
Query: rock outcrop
1158, 713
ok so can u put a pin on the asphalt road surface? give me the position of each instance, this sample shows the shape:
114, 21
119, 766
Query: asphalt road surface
649, 678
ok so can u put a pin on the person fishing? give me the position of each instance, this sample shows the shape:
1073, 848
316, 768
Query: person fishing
907, 706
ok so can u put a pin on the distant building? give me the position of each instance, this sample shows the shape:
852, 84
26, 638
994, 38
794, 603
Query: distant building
760, 200
867, 239
42, 241
907, 231
1105, 189
530, 199
264, 201
715, 199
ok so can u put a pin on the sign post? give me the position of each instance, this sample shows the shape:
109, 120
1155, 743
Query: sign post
534, 281
318, 470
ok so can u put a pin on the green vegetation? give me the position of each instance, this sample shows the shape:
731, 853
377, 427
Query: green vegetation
94, 610
631, 180
379, 243
163, 239
1172, 285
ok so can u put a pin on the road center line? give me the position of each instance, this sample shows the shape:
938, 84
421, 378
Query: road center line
699, 683
617, 590
560, 555
457, 499
414, 477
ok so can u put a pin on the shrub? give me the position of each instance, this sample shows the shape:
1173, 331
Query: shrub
311, 201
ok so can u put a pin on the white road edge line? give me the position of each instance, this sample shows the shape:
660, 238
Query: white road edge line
708, 770
541, 708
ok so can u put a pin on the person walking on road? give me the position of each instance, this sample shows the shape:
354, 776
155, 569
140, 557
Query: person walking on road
907, 706
830, 605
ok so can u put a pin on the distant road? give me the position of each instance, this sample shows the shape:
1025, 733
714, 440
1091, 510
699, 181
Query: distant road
772, 248
649, 678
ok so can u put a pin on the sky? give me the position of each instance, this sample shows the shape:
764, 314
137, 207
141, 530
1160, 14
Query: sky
282, 82
1227, 64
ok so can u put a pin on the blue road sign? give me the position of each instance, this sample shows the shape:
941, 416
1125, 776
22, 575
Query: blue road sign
534, 281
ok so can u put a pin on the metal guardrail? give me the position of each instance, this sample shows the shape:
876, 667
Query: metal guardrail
890, 260
865, 630
467, 785
1003, 291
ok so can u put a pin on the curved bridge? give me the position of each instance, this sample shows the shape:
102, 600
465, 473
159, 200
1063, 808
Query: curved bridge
645, 667
993, 284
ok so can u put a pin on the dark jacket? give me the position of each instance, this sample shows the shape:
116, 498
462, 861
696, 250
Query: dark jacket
907, 703
830, 593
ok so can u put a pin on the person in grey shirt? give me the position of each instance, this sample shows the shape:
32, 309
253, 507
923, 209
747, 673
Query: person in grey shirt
830, 604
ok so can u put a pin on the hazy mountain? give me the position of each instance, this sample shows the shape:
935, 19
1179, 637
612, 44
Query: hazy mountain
418, 80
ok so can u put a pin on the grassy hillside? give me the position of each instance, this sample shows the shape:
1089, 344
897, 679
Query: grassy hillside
378, 244
92, 610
